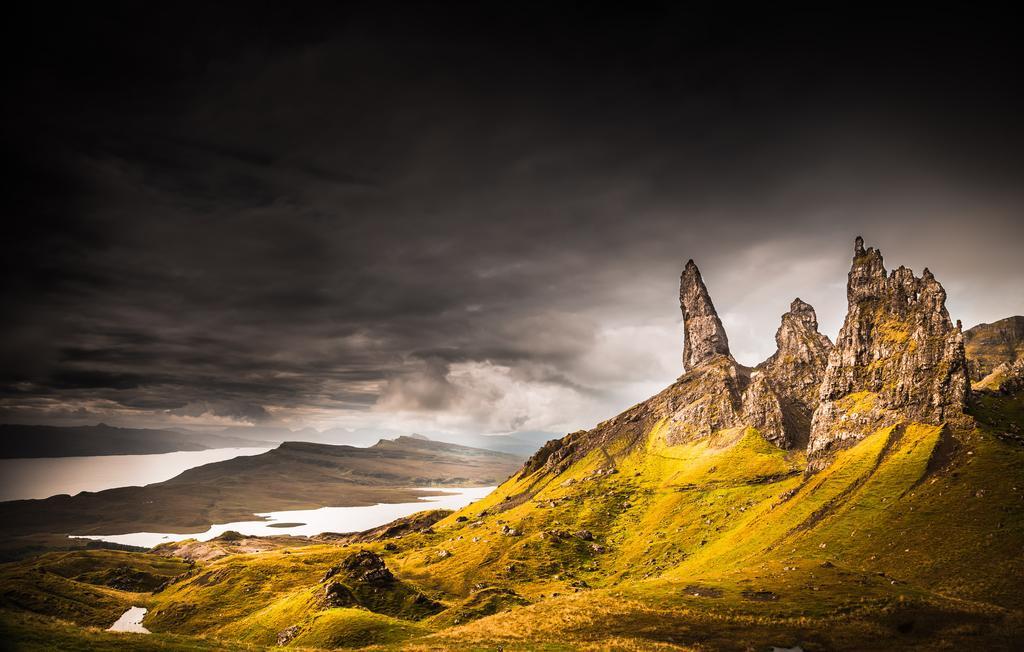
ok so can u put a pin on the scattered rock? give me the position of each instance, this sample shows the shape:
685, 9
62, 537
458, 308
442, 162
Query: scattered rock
698, 591
286, 635
760, 596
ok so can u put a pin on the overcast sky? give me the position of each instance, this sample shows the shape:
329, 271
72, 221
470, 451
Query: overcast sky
448, 219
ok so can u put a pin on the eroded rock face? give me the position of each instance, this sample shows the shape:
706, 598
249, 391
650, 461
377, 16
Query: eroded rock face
368, 567
716, 393
762, 409
704, 334
898, 358
783, 393
706, 400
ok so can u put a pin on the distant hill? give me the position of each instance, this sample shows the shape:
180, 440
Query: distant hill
990, 346
295, 475
523, 444
18, 441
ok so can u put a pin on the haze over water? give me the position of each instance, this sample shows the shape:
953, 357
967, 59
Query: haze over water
49, 476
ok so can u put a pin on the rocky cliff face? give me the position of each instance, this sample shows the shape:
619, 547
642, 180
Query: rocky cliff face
790, 379
898, 358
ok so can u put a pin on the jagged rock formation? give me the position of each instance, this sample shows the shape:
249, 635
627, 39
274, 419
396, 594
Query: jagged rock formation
716, 393
784, 390
898, 358
704, 334
762, 408
988, 346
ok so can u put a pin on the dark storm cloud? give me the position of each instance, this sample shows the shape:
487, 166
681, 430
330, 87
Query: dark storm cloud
476, 215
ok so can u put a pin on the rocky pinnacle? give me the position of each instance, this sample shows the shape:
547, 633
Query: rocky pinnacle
705, 336
898, 358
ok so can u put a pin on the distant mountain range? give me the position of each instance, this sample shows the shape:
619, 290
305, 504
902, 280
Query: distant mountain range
295, 475
19, 441
523, 444
23, 441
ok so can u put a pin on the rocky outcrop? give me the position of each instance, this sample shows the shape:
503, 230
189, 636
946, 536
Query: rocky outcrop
988, 346
706, 400
703, 331
1013, 378
898, 358
715, 393
368, 567
363, 580
783, 392
762, 409
798, 365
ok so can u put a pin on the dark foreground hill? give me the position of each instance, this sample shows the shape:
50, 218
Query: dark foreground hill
856, 495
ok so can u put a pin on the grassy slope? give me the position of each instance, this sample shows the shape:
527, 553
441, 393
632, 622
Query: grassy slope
902, 532
75, 586
26, 632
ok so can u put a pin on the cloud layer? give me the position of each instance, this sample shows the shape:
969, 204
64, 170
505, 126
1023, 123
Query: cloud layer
471, 223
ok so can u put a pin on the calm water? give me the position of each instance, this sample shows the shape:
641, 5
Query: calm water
130, 621
48, 476
314, 521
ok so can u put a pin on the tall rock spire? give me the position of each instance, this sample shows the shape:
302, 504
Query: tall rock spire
705, 336
898, 358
